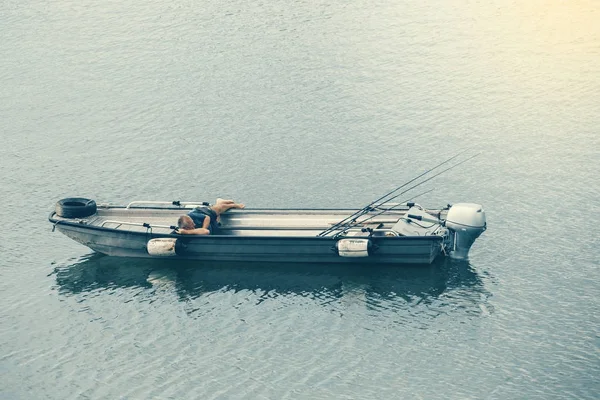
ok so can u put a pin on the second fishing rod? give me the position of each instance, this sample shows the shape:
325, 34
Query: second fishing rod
409, 189
380, 200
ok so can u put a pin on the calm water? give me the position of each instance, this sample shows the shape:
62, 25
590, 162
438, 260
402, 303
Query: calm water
302, 104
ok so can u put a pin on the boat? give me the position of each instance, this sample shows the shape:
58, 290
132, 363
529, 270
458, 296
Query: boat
382, 233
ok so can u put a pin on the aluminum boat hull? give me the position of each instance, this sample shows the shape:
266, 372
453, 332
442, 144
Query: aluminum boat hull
394, 250
247, 235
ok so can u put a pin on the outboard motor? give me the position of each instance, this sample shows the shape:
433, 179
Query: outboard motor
467, 222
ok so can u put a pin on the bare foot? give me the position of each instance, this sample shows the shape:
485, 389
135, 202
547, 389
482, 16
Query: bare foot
229, 203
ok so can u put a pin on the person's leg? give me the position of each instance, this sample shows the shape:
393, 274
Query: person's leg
225, 201
224, 205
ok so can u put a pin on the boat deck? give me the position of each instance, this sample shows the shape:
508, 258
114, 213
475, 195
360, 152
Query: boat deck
247, 222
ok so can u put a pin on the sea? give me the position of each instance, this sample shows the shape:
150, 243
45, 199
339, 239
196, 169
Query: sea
302, 104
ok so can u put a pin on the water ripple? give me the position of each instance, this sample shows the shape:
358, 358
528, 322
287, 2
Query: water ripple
305, 104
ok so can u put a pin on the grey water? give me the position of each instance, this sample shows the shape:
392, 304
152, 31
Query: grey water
302, 104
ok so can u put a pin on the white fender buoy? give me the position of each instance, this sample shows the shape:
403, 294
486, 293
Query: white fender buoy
353, 247
162, 247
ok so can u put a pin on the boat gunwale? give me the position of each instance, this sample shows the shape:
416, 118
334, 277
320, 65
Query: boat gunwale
107, 207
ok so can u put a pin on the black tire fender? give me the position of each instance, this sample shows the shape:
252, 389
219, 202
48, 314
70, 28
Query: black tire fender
75, 207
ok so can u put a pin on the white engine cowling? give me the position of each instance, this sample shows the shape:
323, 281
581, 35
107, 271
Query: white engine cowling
467, 221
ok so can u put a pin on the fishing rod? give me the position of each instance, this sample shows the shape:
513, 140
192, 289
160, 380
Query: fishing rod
352, 224
412, 187
365, 209
403, 202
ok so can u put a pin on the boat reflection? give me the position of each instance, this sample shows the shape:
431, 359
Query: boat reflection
370, 284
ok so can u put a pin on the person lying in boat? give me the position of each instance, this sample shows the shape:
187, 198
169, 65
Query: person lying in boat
206, 219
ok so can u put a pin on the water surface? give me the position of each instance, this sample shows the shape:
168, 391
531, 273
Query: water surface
302, 104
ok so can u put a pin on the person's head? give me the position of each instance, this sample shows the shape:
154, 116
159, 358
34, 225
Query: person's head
185, 222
